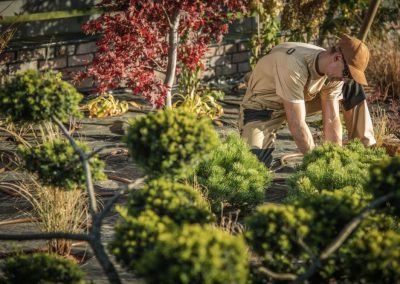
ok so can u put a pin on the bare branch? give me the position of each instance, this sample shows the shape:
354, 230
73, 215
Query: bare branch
86, 167
277, 276
90, 155
117, 195
45, 236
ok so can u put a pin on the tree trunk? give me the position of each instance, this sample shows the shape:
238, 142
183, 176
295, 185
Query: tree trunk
172, 56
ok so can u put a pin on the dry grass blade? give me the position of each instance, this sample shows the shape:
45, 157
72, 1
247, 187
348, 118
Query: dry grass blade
384, 66
381, 124
55, 209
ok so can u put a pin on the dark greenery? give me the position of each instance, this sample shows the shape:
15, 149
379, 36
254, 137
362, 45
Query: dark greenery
169, 142
40, 269
57, 164
182, 203
233, 175
135, 236
385, 179
286, 237
372, 256
333, 167
274, 233
34, 97
196, 254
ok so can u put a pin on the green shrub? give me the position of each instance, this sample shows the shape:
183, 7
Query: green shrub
196, 254
34, 97
385, 179
181, 203
333, 167
41, 268
233, 175
372, 256
274, 231
134, 236
169, 142
57, 164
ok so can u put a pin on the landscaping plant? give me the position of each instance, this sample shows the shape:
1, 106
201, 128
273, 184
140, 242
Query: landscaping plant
169, 142
142, 41
161, 206
331, 167
195, 98
268, 25
57, 164
182, 203
33, 97
233, 176
40, 268
196, 254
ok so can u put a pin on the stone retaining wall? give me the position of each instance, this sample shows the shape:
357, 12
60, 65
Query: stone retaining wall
69, 57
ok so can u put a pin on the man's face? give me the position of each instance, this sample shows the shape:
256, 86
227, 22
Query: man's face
338, 69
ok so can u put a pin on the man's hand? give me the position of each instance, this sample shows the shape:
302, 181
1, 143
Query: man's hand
296, 118
331, 121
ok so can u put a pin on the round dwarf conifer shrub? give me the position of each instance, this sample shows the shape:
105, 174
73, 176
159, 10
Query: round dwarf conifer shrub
372, 256
32, 97
57, 164
330, 167
40, 268
181, 203
170, 142
233, 176
273, 232
196, 254
134, 236
385, 179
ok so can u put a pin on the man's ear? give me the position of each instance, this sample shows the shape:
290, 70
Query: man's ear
337, 57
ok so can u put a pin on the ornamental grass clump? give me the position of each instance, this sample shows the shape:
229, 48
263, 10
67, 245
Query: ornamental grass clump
233, 176
169, 143
40, 268
333, 167
57, 164
196, 254
181, 203
32, 97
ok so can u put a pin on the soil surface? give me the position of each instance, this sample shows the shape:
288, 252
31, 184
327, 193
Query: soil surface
103, 131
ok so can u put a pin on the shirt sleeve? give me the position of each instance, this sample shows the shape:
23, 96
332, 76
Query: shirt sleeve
332, 91
290, 78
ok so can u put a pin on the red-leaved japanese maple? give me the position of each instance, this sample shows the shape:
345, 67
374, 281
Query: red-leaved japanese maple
142, 41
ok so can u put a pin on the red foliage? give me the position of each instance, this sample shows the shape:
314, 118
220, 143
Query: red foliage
134, 40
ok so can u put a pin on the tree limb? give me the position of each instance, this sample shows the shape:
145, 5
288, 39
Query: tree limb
277, 276
45, 236
86, 167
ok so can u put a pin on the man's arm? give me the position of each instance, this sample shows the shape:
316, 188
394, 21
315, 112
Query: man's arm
296, 118
331, 121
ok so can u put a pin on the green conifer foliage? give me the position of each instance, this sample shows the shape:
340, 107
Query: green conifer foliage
372, 256
274, 233
196, 254
182, 203
385, 178
134, 236
169, 143
233, 175
333, 167
34, 97
57, 164
41, 268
